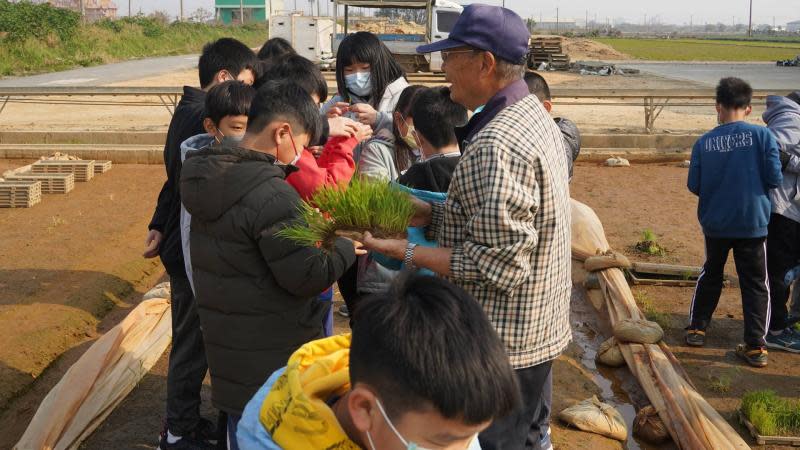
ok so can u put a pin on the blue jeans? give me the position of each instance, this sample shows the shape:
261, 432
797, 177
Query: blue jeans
327, 321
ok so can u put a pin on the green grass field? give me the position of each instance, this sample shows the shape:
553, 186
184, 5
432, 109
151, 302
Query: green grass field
703, 50
96, 44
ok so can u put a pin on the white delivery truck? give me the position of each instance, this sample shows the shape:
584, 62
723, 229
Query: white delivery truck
440, 16
309, 35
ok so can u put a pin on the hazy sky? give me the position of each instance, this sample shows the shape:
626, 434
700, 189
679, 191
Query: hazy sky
672, 11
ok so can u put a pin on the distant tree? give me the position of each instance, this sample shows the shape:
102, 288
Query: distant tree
160, 16
201, 15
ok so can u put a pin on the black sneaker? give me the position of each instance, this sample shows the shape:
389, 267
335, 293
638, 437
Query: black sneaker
203, 438
695, 338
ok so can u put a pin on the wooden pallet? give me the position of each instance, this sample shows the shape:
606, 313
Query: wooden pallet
83, 170
768, 440
20, 194
52, 183
101, 167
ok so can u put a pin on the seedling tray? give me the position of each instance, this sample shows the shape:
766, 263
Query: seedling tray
793, 441
83, 170
665, 275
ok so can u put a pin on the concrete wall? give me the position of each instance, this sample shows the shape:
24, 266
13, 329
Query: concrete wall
147, 147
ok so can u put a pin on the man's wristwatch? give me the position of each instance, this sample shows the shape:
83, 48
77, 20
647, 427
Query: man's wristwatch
409, 258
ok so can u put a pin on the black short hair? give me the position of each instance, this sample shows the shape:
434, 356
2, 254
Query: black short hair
284, 100
795, 96
299, 70
231, 98
537, 86
365, 47
275, 48
436, 116
734, 93
224, 54
403, 155
427, 343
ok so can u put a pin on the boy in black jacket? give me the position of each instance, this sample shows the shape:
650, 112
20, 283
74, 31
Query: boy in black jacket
435, 119
537, 86
223, 60
256, 292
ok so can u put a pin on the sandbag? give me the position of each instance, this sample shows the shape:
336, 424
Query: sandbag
594, 416
638, 331
617, 162
162, 290
649, 426
610, 354
607, 260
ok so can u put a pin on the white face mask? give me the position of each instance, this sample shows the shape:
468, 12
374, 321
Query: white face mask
359, 83
409, 445
296, 155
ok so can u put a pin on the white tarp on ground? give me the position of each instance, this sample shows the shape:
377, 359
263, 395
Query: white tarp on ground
692, 422
100, 379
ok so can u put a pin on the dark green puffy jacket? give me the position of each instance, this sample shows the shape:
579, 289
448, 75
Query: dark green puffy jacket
256, 293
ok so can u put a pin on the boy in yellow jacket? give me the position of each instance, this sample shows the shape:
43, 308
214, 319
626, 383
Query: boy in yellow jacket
424, 369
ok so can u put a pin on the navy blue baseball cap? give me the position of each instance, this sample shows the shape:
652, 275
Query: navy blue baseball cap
489, 28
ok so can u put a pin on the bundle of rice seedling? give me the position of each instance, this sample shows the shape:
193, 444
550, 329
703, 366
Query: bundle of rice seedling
364, 205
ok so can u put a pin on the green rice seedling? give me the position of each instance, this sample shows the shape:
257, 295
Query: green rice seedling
770, 414
364, 205
649, 244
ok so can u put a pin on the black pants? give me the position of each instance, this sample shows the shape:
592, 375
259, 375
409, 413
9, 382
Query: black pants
524, 428
187, 360
783, 250
751, 266
348, 287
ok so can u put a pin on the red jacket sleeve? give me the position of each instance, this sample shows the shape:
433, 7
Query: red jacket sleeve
334, 167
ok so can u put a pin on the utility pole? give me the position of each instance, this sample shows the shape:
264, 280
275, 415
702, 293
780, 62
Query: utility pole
83, 11
181, 16
750, 27
556, 20
587, 20
691, 20
241, 12
129, 8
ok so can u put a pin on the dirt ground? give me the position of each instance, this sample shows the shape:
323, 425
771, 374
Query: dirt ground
654, 197
57, 244
591, 116
65, 264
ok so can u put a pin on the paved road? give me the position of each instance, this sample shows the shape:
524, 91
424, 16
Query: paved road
109, 73
760, 76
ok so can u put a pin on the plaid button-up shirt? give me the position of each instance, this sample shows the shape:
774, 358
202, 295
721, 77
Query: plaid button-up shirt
507, 220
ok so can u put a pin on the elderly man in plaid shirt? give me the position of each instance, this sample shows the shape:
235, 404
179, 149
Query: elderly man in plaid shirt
504, 231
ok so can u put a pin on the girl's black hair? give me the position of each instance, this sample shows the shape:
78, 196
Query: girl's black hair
275, 48
402, 152
365, 47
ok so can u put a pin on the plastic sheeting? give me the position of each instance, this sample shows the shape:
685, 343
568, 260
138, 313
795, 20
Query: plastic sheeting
100, 379
691, 421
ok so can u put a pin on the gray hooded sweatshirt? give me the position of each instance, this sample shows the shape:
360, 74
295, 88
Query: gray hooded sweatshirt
193, 144
783, 119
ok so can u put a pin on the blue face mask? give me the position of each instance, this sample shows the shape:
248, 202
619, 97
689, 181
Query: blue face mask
359, 83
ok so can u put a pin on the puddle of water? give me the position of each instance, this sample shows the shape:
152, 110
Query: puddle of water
618, 386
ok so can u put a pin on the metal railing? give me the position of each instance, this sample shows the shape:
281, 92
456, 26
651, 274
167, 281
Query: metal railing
653, 101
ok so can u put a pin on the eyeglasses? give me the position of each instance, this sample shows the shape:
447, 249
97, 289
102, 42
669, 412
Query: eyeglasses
446, 53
